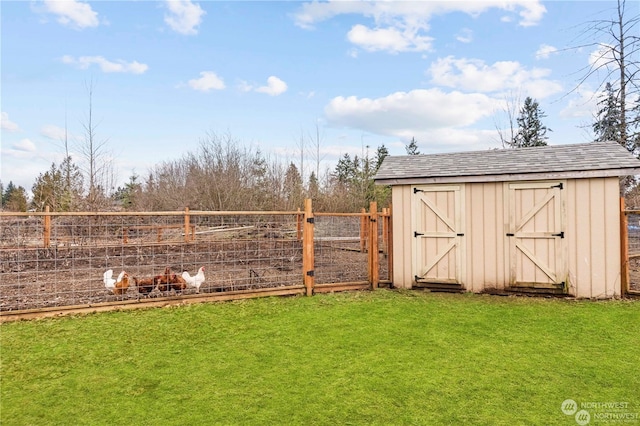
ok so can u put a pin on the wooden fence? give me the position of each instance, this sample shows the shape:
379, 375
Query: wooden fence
52, 263
630, 250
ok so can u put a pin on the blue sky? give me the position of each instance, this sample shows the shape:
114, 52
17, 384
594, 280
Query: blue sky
269, 74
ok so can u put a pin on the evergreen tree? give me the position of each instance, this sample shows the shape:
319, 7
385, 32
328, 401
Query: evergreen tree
381, 154
607, 125
16, 198
128, 194
47, 189
60, 188
293, 190
7, 192
531, 131
314, 186
412, 147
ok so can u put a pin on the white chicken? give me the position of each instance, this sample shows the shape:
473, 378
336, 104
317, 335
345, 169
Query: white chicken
109, 282
195, 281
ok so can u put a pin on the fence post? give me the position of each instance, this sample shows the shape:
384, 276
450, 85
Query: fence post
390, 243
374, 260
47, 228
624, 250
299, 225
187, 227
307, 248
385, 229
363, 230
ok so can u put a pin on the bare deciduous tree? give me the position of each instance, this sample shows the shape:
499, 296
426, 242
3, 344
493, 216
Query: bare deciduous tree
507, 133
97, 163
615, 60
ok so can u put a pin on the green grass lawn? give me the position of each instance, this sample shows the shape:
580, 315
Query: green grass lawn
384, 357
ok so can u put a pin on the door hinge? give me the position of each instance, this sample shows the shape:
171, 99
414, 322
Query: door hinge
561, 235
509, 234
417, 234
311, 220
460, 235
311, 273
560, 185
416, 190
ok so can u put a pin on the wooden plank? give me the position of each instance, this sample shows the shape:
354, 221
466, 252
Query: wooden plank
624, 250
363, 232
307, 248
186, 225
165, 213
150, 303
390, 244
373, 245
334, 287
47, 228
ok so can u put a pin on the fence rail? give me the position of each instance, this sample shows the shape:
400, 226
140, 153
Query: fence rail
53, 262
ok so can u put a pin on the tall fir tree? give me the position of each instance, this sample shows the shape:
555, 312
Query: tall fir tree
607, 124
412, 147
531, 131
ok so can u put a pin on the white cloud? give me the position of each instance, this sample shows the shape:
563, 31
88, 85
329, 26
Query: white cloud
388, 39
476, 75
402, 114
465, 36
7, 124
531, 13
545, 50
602, 57
402, 26
208, 81
582, 105
84, 62
72, 13
183, 16
243, 86
274, 87
24, 145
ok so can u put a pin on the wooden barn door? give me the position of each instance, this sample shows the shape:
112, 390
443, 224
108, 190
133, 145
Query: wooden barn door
438, 223
536, 236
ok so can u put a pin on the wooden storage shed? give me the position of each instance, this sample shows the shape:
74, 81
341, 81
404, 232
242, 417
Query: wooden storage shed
543, 219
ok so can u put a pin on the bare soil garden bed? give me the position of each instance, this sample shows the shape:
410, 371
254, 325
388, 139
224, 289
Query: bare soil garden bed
63, 276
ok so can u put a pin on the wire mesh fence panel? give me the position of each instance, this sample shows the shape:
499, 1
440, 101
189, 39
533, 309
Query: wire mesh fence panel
340, 254
236, 252
633, 232
68, 259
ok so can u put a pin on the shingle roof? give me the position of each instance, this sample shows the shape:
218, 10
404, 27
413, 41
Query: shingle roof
596, 158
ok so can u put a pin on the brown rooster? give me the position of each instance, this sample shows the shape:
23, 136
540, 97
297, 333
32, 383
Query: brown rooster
122, 285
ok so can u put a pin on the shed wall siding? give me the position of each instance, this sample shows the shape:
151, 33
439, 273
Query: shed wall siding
485, 237
592, 232
402, 250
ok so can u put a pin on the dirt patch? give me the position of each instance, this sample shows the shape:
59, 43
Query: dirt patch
63, 276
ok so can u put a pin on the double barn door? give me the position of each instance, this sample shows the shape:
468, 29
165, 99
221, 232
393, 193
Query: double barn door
534, 237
